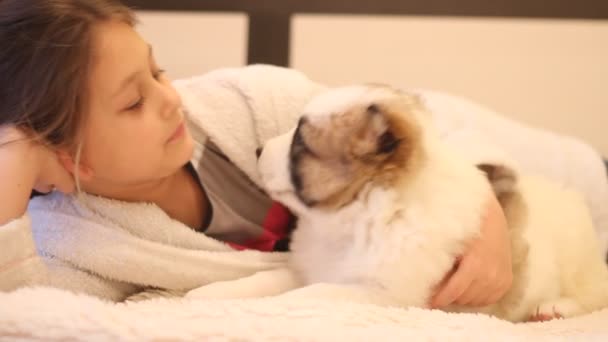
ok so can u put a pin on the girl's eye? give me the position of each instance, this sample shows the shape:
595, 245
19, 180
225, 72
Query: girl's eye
158, 73
137, 104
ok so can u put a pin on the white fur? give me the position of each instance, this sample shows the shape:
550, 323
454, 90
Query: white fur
399, 242
566, 273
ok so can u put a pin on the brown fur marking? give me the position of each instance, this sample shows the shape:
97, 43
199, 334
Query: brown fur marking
345, 156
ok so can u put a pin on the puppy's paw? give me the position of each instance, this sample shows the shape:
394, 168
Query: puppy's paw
539, 316
560, 308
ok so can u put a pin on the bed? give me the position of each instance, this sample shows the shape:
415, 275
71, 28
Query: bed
272, 18
538, 53
174, 318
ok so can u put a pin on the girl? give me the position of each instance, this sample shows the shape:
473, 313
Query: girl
136, 185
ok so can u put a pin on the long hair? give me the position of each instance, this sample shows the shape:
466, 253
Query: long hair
45, 58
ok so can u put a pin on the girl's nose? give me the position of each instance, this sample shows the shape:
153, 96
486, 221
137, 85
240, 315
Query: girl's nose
171, 101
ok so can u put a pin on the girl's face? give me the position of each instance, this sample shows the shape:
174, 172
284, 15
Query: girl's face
135, 131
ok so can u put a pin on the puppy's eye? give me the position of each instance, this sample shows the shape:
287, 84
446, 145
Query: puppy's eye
387, 143
373, 109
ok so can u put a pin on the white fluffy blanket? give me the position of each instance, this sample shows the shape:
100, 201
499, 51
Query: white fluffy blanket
55, 315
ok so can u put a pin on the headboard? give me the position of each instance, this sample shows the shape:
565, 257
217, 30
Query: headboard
272, 18
538, 61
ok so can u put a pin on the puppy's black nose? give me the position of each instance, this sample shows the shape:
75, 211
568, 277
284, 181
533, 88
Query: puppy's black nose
258, 151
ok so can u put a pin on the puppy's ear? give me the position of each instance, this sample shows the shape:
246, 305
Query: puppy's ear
502, 178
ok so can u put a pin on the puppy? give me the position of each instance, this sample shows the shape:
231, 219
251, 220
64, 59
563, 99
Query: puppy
384, 206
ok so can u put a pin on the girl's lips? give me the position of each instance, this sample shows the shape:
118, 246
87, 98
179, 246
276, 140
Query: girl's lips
178, 133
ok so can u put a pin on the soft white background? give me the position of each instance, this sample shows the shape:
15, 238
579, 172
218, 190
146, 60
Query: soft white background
549, 73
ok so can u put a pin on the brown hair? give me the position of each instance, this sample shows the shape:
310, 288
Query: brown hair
44, 60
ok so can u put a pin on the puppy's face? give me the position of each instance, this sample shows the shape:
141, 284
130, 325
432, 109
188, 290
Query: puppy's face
347, 138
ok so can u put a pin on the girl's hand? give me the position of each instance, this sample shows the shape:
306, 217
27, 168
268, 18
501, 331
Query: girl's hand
26, 165
484, 273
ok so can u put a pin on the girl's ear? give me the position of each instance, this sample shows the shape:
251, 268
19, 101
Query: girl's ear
85, 173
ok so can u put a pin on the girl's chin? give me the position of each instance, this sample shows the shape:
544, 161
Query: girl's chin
182, 154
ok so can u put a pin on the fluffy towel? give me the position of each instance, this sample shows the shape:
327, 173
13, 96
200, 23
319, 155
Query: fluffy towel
140, 244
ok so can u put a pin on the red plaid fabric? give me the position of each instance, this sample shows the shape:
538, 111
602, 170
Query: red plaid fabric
276, 227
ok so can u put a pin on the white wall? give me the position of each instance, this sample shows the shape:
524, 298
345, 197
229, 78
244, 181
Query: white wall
548, 73
187, 44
